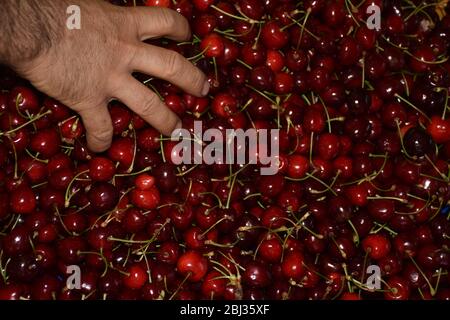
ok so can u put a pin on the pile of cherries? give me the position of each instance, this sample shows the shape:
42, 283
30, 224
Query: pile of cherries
362, 184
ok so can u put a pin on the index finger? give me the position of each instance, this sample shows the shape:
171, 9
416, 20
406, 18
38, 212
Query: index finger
155, 22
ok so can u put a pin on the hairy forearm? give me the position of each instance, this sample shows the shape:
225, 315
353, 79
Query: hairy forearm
29, 28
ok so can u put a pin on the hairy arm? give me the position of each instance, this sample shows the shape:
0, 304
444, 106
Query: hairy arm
28, 28
86, 68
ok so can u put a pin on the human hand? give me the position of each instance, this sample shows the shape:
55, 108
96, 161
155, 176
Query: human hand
86, 68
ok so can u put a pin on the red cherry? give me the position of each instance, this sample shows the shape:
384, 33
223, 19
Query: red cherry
328, 146
122, 151
350, 296
120, 116
314, 120
204, 24
137, 277
253, 55
193, 265
366, 37
23, 200
144, 182
283, 83
23, 100
176, 104
274, 60
61, 178
101, 169
293, 265
421, 58
252, 8
212, 45
146, 200
397, 289
157, 3
274, 217
273, 36
224, 105
148, 139
439, 129
213, 286
377, 246
103, 196
203, 5
271, 249
46, 142
71, 128
357, 194
297, 166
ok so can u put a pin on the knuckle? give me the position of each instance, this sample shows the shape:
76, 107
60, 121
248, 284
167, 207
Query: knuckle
168, 18
199, 79
149, 105
174, 64
103, 134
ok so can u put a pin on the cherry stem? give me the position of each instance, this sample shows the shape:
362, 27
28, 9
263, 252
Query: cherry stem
26, 123
355, 232
421, 8
382, 226
294, 21
249, 102
442, 60
350, 10
179, 287
401, 141
182, 173
215, 196
406, 84
226, 217
347, 277
443, 176
328, 187
198, 56
221, 245
343, 254
233, 181
446, 101
326, 113
68, 196
161, 143
262, 94
147, 169
247, 19
3, 268
412, 106
101, 255
432, 290
363, 72
62, 222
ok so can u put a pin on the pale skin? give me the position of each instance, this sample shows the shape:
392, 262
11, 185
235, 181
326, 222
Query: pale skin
86, 68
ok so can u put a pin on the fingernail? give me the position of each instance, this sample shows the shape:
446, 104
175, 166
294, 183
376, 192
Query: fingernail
205, 89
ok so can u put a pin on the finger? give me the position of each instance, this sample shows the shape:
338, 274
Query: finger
171, 66
155, 22
99, 129
147, 104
